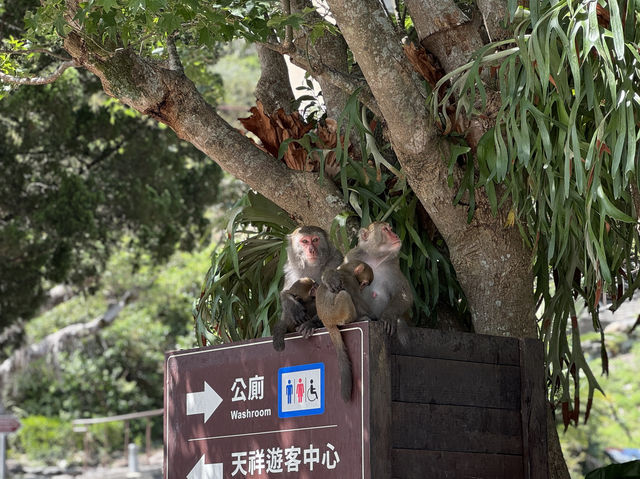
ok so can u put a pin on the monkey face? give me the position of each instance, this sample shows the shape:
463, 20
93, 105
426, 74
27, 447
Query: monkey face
381, 238
309, 245
390, 239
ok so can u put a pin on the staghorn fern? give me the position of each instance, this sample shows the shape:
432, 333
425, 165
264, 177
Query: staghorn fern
240, 297
564, 147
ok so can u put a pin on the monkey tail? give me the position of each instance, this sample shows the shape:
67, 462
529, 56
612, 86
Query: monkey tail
279, 330
344, 363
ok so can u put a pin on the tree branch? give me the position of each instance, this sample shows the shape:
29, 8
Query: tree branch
273, 88
170, 97
43, 80
174, 59
29, 51
288, 31
494, 14
55, 342
344, 81
445, 31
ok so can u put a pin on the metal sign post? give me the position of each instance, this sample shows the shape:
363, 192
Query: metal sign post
8, 423
244, 410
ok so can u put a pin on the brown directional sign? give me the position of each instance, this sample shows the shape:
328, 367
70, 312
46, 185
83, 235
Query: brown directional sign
244, 410
8, 423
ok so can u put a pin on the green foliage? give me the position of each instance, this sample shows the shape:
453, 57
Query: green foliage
79, 171
46, 439
239, 299
628, 470
240, 295
49, 440
564, 147
615, 418
139, 23
120, 369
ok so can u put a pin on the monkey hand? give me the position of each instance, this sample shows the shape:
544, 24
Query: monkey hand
309, 327
390, 323
332, 280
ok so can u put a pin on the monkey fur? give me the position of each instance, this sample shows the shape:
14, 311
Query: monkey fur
309, 253
389, 297
342, 305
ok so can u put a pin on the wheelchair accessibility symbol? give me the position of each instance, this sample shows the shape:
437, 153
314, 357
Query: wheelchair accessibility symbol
301, 390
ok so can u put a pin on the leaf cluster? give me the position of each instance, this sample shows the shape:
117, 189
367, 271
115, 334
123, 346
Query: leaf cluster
111, 24
78, 172
564, 150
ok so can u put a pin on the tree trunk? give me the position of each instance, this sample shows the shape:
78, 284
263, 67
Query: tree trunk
273, 88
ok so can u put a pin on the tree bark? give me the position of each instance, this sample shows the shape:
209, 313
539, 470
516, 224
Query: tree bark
495, 16
445, 31
273, 89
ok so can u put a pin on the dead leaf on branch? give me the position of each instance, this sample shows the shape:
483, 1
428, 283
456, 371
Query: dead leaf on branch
273, 130
424, 63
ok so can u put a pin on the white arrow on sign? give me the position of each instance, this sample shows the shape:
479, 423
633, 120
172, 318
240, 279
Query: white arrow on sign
203, 402
206, 471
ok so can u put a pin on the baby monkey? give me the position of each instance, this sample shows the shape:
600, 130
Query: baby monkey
342, 304
302, 293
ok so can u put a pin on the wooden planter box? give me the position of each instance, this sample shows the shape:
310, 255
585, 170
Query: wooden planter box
457, 405
446, 405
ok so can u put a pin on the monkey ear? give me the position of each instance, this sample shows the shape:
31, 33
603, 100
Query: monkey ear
358, 269
364, 234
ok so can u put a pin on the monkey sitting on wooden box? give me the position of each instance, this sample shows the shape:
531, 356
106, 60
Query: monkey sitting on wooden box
309, 253
387, 298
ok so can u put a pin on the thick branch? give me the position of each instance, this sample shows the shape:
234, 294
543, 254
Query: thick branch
273, 88
495, 16
171, 98
445, 31
38, 80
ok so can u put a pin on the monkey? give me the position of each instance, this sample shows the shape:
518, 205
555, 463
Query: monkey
304, 292
389, 297
309, 253
337, 307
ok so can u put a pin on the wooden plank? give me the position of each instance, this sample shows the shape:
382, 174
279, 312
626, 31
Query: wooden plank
459, 346
533, 409
415, 464
438, 381
379, 402
456, 428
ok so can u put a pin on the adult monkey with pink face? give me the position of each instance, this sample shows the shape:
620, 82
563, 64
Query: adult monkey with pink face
309, 253
388, 297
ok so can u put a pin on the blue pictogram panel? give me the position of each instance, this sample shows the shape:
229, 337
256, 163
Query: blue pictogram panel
301, 390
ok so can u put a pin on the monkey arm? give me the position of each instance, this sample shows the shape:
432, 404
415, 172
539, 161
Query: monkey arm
332, 279
397, 308
309, 327
293, 311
